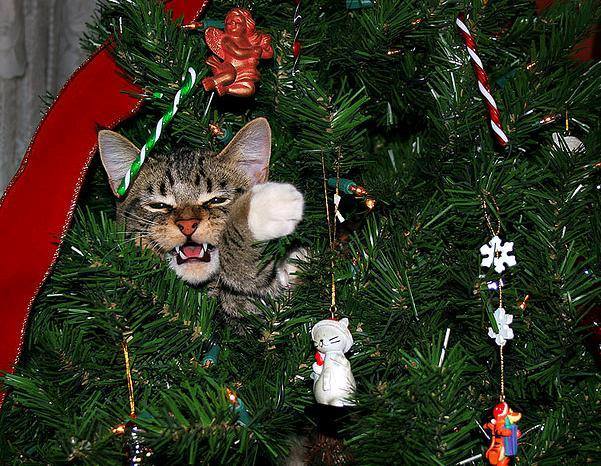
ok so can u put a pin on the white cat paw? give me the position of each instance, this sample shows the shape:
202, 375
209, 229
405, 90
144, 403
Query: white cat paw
275, 210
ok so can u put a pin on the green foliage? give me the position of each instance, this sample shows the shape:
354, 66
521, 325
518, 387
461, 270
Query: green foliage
387, 96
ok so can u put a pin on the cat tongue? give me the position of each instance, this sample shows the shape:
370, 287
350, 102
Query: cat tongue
193, 251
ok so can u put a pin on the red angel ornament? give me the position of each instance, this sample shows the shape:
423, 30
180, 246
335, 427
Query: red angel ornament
238, 51
505, 434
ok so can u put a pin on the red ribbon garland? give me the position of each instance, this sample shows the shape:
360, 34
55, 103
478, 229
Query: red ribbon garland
38, 204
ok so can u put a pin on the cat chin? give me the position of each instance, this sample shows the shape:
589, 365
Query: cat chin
196, 272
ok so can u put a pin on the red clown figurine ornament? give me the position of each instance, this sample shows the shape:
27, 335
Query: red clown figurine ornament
238, 50
505, 434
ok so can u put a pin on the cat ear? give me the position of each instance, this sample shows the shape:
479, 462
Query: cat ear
117, 154
344, 322
251, 148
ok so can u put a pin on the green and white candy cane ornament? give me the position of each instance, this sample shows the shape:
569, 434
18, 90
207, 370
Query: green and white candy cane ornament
135, 167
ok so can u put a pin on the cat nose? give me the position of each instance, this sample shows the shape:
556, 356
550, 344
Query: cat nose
187, 227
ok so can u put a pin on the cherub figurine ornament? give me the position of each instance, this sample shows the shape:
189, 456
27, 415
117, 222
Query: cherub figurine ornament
238, 51
505, 435
333, 380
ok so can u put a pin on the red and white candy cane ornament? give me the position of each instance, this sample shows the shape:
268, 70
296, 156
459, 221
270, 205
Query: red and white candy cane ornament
470, 43
296, 45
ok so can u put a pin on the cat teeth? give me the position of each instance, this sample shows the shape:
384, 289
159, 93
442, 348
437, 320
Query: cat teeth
204, 253
180, 253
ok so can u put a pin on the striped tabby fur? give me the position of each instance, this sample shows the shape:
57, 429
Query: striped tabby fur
189, 206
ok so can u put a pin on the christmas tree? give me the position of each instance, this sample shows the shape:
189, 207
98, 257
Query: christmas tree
442, 126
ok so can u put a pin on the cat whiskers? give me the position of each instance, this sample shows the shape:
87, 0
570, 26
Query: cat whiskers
138, 236
141, 220
150, 242
155, 246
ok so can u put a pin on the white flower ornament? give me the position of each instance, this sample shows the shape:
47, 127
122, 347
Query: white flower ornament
503, 321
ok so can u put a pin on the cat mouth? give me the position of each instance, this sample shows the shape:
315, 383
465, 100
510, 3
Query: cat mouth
193, 252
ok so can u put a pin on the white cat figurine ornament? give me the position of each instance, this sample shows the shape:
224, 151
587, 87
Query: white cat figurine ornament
334, 383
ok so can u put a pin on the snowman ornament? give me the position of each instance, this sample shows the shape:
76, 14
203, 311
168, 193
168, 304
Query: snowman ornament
334, 383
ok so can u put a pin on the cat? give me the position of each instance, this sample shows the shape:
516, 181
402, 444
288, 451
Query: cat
204, 213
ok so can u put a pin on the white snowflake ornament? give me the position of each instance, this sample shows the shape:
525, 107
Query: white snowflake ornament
505, 332
496, 252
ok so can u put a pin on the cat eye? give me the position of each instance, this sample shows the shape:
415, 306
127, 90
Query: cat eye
160, 206
218, 201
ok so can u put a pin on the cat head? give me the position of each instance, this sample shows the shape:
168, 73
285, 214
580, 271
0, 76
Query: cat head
179, 204
332, 335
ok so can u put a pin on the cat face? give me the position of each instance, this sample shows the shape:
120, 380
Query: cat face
180, 202
331, 335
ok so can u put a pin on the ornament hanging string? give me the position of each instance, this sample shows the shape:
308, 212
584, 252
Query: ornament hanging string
130, 383
333, 307
503, 428
135, 167
135, 449
502, 381
331, 226
483, 85
332, 387
495, 232
348, 187
120, 429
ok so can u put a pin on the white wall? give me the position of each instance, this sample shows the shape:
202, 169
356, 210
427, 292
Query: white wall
39, 49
